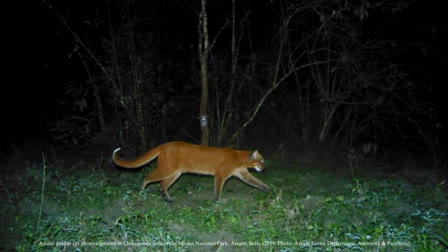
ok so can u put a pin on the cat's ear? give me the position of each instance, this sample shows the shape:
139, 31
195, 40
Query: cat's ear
255, 155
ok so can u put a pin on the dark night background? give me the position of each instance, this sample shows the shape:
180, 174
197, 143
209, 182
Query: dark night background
47, 74
346, 100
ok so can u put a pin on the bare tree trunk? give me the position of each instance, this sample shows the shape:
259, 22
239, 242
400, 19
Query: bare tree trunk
137, 86
203, 59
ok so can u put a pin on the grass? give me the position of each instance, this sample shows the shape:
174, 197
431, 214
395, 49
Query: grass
98, 208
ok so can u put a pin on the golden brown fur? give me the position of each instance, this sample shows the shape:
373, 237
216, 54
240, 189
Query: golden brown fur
175, 158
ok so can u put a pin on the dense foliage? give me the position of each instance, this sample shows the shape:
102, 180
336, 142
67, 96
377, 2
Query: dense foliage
313, 72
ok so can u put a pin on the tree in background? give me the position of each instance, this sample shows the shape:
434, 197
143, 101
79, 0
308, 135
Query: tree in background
313, 72
203, 48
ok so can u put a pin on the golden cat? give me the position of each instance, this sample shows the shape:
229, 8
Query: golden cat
175, 158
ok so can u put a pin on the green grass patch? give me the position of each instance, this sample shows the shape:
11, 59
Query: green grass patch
310, 209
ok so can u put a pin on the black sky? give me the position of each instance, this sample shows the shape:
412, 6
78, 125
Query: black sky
40, 63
